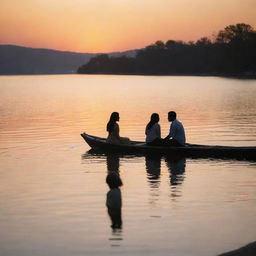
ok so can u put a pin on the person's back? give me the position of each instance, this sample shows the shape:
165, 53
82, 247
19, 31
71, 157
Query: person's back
176, 136
113, 135
153, 133
177, 132
113, 130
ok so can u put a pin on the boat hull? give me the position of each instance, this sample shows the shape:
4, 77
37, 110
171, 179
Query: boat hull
190, 150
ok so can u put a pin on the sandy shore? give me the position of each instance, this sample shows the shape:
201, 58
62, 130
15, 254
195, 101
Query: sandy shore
248, 250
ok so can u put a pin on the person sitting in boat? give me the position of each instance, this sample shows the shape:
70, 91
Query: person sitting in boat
153, 131
113, 130
176, 136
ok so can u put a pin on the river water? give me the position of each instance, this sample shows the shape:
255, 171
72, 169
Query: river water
53, 190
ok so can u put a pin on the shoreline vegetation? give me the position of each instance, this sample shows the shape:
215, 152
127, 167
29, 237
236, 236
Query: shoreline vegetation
232, 53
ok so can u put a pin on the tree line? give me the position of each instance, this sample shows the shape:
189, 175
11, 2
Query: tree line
232, 52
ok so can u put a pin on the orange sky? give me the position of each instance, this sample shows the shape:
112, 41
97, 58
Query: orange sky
116, 25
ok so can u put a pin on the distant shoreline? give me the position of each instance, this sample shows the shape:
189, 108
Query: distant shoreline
240, 76
235, 76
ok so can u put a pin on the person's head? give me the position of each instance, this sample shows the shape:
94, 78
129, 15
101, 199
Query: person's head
114, 117
113, 180
171, 116
153, 120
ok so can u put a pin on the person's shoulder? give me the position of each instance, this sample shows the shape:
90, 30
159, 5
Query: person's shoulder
178, 122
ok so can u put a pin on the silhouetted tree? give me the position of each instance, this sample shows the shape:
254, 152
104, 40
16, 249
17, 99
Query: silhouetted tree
239, 31
233, 52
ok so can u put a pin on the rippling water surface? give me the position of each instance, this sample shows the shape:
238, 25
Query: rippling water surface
53, 191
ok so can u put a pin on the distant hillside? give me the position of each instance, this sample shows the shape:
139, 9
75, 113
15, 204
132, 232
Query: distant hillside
17, 60
23, 60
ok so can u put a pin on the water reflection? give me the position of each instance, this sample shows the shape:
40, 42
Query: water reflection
116, 237
114, 196
153, 168
113, 163
176, 167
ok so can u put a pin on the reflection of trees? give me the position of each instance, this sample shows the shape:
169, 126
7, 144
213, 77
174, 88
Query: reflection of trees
176, 168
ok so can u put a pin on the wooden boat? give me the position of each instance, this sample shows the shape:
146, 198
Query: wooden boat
189, 150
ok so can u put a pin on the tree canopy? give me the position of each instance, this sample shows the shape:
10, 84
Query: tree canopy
231, 52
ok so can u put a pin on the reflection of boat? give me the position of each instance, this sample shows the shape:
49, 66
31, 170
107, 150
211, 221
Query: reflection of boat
192, 150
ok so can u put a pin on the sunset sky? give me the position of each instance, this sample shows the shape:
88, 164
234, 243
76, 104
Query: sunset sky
116, 25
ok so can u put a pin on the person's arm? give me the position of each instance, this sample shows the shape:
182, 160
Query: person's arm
169, 135
173, 130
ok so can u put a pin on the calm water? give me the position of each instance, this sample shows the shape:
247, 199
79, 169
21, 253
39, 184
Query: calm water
53, 191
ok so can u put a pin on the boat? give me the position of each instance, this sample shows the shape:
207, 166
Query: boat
189, 150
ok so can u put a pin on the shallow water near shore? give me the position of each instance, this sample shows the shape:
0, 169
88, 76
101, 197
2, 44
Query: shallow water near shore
53, 190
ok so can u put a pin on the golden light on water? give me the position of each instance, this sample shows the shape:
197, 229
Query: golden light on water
86, 102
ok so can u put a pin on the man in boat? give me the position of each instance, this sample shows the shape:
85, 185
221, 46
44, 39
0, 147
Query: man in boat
176, 136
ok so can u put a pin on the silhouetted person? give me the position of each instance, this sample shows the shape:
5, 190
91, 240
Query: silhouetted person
176, 136
114, 199
153, 131
113, 130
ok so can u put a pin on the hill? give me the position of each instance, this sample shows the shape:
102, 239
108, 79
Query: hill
17, 60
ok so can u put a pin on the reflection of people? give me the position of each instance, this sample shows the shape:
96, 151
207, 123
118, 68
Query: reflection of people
176, 136
113, 130
176, 167
113, 162
153, 131
153, 167
114, 199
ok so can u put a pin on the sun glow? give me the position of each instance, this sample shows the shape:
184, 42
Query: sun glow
105, 26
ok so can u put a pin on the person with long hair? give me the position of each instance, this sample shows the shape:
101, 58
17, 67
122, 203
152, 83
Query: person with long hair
113, 130
153, 131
